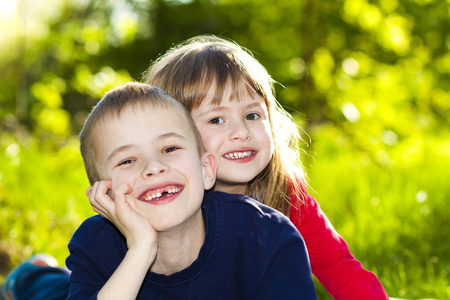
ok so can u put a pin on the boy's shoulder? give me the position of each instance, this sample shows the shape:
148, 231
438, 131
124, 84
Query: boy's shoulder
245, 207
95, 227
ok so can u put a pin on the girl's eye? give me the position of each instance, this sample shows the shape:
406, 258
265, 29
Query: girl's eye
170, 149
252, 116
216, 121
126, 162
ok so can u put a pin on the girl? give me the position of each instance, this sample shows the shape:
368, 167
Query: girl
231, 98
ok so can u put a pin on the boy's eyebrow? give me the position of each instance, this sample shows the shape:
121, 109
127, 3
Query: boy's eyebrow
159, 137
118, 150
169, 135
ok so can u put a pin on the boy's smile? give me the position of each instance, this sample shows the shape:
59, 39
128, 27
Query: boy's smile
153, 150
161, 195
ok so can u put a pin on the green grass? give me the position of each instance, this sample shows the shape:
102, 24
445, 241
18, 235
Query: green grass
394, 217
42, 200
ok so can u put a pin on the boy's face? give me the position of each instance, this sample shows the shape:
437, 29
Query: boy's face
153, 150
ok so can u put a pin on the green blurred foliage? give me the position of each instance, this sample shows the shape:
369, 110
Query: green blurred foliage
378, 71
367, 80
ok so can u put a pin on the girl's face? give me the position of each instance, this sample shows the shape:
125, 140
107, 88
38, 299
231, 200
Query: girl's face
238, 133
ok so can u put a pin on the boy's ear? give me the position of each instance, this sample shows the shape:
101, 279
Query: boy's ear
209, 170
89, 191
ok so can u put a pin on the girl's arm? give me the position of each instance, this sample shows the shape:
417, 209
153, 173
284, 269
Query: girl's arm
141, 239
342, 275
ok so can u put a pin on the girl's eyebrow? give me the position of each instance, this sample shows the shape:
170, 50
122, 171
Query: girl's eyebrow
219, 108
163, 136
254, 104
215, 108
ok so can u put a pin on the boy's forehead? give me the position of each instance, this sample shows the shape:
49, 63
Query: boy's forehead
161, 116
151, 120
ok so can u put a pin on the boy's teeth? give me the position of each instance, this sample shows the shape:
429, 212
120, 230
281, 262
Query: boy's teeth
238, 154
158, 193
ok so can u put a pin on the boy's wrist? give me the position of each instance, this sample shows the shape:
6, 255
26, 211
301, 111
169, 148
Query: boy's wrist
145, 252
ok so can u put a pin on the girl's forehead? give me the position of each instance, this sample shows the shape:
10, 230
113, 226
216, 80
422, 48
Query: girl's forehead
242, 100
230, 92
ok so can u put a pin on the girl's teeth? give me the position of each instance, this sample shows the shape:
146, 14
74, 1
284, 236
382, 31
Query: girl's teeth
238, 154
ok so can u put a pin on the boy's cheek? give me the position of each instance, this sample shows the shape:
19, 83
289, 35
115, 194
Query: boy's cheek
122, 183
114, 184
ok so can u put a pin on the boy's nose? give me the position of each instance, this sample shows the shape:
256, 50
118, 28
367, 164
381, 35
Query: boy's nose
154, 167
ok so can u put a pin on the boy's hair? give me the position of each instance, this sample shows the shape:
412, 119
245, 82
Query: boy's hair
135, 95
187, 72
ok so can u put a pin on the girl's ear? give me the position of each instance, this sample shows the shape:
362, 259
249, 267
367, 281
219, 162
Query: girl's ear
209, 170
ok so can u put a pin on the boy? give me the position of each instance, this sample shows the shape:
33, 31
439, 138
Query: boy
158, 235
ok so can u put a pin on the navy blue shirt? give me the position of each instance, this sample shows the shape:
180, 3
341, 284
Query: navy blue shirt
250, 251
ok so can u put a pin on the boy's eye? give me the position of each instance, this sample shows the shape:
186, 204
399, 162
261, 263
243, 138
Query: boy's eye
252, 116
216, 121
170, 149
126, 162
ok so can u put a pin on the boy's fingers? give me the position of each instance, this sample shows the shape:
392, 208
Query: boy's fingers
123, 189
99, 198
90, 192
121, 193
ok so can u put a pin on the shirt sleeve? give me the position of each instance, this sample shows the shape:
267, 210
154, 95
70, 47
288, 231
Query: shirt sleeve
84, 283
92, 260
288, 274
342, 275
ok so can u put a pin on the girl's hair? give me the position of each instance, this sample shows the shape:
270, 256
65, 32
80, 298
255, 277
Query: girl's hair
135, 95
188, 71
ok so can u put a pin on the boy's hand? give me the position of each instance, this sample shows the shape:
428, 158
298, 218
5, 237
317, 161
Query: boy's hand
122, 213
142, 239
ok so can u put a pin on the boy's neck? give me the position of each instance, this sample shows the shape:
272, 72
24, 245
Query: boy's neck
180, 247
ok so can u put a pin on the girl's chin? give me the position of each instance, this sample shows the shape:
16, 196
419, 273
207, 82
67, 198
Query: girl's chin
230, 188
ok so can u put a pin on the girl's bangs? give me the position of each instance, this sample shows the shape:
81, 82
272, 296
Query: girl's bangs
226, 80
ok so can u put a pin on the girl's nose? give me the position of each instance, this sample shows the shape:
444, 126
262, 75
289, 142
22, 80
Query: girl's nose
154, 167
240, 131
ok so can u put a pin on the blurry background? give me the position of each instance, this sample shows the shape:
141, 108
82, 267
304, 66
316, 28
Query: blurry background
367, 80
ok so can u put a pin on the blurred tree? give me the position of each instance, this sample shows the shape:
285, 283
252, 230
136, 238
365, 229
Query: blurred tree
368, 80
377, 70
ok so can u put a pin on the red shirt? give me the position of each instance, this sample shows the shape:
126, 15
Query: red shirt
331, 261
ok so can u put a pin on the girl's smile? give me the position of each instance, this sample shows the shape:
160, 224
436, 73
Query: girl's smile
241, 155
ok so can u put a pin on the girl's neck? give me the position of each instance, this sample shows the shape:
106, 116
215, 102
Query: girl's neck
180, 247
230, 188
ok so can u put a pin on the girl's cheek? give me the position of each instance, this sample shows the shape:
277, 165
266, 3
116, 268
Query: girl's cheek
208, 138
270, 136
